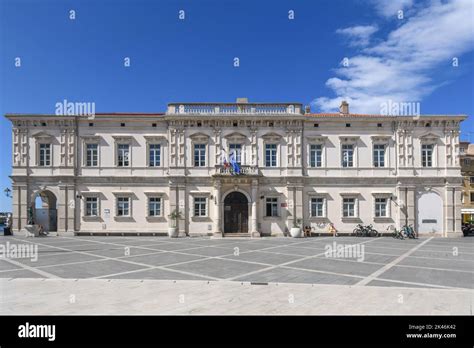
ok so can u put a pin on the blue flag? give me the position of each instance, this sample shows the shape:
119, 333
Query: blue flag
234, 164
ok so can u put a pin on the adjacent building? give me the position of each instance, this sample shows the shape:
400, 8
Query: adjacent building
233, 169
466, 151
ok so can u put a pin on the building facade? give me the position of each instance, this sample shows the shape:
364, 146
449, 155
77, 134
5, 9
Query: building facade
126, 173
466, 151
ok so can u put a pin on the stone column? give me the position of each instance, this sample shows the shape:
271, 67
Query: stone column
20, 207
254, 226
452, 218
290, 208
62, 208
218, 206
173, 200
183, 208
299, 203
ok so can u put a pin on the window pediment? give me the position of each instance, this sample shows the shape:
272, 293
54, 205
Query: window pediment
235, 136
429, 137
349, 138
317, 139
43, 136
123, 138
271, 136
199, 137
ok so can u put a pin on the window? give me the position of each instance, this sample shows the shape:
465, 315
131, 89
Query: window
472, 197
270, 155
92, 155
471, 180
467, 162
348, 207
381, 207
379, 155
272, 206
427, 155
92, 205
123, 152
200, 206
123, 206
317, 207
45, 155
379, 125
315, 155
199, 155
154, 206
154, 155
347, 155
348, 125
236, 151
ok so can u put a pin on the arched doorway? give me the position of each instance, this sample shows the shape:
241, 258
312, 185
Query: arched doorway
236, 213
430, 213
43, 210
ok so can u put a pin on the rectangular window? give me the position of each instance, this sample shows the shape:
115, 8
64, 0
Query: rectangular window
270, 155
315, 155
347, 155
154, 206
199, 155
235, 150
472, 197
154, 155
123, 206
272, 206
123, 152
381, 207
200, 206
348, 207
379, 155
44, 155
427, 155
471, 179
317, 207
92, 205
92, 155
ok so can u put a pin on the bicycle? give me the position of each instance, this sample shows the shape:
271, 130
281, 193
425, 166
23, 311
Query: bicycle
365, 231
395, 233
408, 232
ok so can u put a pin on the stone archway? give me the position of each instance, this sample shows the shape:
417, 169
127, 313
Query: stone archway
236, 213
43, 210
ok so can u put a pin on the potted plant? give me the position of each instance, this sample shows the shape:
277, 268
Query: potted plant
173, 229
295, 231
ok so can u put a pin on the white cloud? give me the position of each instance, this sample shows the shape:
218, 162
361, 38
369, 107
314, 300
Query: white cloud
358, 35
399, 67
390, 8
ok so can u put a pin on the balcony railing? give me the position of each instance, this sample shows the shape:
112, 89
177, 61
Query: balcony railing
244, 170
235, 109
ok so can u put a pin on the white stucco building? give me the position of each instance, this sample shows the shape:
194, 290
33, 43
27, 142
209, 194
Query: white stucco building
125, 172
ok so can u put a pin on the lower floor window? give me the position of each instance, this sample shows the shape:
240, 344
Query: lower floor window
123, 206
348, 207
200, 206
154, 206
272, 206
381, 207
317, 207
92, 206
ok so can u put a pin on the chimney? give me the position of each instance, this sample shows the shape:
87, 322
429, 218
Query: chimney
242, 101
344, 108
307, 109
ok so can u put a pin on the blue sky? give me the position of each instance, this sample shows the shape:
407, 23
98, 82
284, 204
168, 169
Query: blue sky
390, 58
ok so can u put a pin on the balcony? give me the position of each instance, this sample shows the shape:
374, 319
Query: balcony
245, 170
231, 109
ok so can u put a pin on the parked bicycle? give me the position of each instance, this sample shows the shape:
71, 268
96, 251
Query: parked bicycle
408, 232
395, 233
365, 231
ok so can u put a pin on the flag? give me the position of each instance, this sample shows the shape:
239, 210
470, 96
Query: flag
234, 164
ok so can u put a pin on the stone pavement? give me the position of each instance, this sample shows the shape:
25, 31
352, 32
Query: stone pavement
436, 273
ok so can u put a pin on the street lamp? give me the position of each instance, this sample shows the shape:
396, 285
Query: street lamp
7, 192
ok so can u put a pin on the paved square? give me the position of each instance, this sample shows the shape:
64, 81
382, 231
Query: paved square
423, 263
